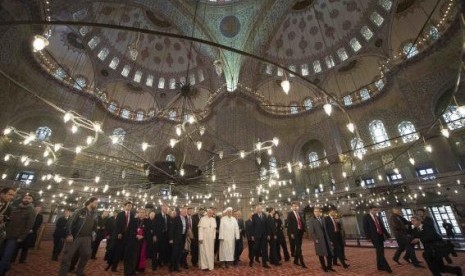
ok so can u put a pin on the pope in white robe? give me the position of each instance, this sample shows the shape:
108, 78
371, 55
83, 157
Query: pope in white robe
229, 233
207, 235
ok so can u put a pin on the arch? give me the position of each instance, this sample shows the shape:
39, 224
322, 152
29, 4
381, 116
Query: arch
358, 147
378, 134
407, 131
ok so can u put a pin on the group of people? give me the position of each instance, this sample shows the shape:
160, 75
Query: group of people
143, 238
19, 226
408, 234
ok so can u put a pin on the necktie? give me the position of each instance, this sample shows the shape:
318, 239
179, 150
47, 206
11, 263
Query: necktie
299, 223
260, 216
378, 227
127, 219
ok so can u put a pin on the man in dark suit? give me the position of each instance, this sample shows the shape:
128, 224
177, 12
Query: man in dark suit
239, 246
249, 234
425, 219
176, 232
160, 230
376, 233
432, 255
273, 236
59, 235
295, 229
335, 236
195, 233
260, 235
400, 227
123, 221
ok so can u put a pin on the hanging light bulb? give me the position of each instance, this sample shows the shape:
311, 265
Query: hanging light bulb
114, 139
74, 129
202, 130
7, 131
286, 86
258, 146
259, 160
328, 108
242, 153
70, 182
49, 161
57, 147
182, 172
97, 127
220, 154
289, 167
78, 149
190, 119
173, 142
97, 179
276, 141
178, 130
412, 161
445, 132
213, 178
351, 127
4, 176
68, 116
344, 174
39, 43
89, 140
396, 170
270, 151
7, 157
199, 145
144, 146
23, 158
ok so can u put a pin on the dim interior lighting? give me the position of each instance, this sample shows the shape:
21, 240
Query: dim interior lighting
286, 86
328, 108
39, 43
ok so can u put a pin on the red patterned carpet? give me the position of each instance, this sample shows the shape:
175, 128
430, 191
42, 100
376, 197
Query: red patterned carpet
361, 260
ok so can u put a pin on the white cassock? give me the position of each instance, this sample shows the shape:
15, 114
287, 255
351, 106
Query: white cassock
229, 232
207, 234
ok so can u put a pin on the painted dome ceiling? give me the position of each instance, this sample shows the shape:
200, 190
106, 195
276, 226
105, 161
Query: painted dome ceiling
336, 47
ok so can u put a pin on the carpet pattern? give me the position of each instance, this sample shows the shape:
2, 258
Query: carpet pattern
362, 262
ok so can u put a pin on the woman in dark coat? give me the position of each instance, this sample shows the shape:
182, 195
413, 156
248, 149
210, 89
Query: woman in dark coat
281, 241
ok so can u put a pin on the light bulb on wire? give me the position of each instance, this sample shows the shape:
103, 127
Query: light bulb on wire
39, 43
286, 86
328, 108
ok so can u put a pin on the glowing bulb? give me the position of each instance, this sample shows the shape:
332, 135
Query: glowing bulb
445, 132
328, 108
4, 176
242, 153
289, 167
270, 151
144, 146
39, 43
78, 149
7, 157
178, 130
396, 170
202, 130
7, 131
49, 161
411, 160
286, 86
114, 139
276, 141
351, 127
190, 119
97, 127
74, 129
70, 182
461, 109
258, 146
97, 179
89, 140
213, 178
173, 142
344, 174
199, 145
220, 154
380, 177
428, 148
68, 116
57, 147
182, 172
23, 158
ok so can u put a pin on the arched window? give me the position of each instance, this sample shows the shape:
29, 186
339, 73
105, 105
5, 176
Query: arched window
125, 113
103, 53
407, 131
272, 164
140, 115
308, 104
376, 18
433, 33
355, 44
366, 33
379, 84
94, 42
149, 81
126, 70
313, 160
347, 100
84, 30
119, 134
379, 134
80, 83
59, 73
170, 158
358, 147
453, 118
161, 83
138, 76
364, 94
294, 109
43, 133
410, 50
114, 63
112, 107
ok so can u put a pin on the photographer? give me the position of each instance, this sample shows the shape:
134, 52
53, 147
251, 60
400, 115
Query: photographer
435, 248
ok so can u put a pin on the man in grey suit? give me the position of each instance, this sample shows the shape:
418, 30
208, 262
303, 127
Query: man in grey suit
323, 247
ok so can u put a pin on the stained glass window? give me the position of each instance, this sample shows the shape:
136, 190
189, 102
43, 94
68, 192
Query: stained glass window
329, 60
161, 83
364, 94
358, 147
347, 100
170, 158
138, 76
342, 53
386, 4
304, 69
410, 50
59, 73
112, 107
84, 30
379, 84
379, 134
172, 115
126, 70
366, 33
125, 113
376, 18
43, 133
317, 66
269, 69
114, 63
433, 33
172, 83
192, 79
308, 104
140, 115
149, 81
103, 53
453, 117
119, 134
94, 42
313, 160
407, 131
355, 44
294, 109
80, 83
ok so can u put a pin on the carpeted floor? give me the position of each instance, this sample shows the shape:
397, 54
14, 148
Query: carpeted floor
361, 260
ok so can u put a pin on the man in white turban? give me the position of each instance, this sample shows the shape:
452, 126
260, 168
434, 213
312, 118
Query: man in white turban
207, 234
229, 233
